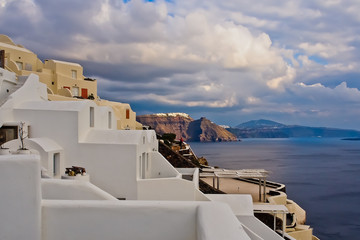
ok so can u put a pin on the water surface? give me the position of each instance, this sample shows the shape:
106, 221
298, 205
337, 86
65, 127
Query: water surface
321, 175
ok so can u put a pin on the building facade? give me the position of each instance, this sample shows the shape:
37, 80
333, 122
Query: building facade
64, 80
55, 74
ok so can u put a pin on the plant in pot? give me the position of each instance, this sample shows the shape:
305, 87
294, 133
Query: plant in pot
22, 135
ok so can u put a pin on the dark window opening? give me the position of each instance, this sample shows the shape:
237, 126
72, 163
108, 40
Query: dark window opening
8, 133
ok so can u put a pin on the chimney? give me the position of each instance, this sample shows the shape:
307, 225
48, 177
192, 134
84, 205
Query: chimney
2, 58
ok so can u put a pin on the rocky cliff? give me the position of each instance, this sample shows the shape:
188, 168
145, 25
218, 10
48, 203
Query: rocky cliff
167, 123
184, 126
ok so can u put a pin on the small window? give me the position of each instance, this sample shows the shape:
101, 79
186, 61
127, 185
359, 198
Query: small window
147, 161
144, 140
19, 65
75, 91
143, 167
109, 119
28, 67
92, 117
8, 133
56, 164
2, 58
127, 113
73, 74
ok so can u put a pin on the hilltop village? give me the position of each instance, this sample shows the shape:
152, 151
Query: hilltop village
74, 166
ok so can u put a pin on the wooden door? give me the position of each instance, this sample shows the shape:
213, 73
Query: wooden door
84, 93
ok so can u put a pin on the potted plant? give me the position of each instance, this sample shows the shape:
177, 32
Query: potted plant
22, 135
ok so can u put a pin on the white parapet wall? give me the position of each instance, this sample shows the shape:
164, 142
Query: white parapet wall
167, 189
140, 220
165, 183
20, 211
56, 189
216, 221
191, 173
161, 168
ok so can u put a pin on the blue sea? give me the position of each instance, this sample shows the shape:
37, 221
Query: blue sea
321, 174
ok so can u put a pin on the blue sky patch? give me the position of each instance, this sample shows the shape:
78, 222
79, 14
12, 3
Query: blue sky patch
318, 60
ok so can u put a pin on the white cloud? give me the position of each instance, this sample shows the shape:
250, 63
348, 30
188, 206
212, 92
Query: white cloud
325, 50
249, 56
279, 82
337, 96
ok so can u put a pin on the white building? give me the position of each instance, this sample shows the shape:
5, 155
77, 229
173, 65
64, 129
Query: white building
120, 164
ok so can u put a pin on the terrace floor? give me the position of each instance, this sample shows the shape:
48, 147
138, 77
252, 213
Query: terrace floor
234, 186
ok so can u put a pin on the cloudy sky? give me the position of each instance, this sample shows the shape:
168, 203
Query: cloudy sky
296, 62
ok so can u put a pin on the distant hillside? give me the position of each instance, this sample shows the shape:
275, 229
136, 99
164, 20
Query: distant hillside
270, 129
261, 123
184, 126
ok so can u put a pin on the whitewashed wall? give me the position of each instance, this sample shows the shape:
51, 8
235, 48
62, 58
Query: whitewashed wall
108, 220
56, 189
83, 220
166, 189
20, 197
217, 221
7, 83
111, 167
161, 168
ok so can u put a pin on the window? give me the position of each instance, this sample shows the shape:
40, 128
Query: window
92, 117
2, 58
143, 168
19, 65
109, 119
8, 133
147, 161
56, 164
28, 67
73, 74
127, 113
75, 91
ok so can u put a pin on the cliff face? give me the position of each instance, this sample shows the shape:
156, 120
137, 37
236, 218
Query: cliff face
184, 126
204, 130
167, 124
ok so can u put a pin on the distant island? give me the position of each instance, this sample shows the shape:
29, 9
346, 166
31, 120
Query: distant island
352, 139
269, 129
